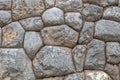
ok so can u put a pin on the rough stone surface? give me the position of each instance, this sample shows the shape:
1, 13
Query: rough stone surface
92, 12
107, 30
32, 24
79, 56
53, 61
12, 35
113, 52
49, 3
26, 8
53, 16
113, 71
5, 17
59, 35
95, 57
32, 43
15, 65
86, 34
55, 78
5, 4
74, 20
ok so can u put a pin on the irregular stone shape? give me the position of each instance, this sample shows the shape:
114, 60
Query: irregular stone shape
55, 78
59, 35
113, 52
12, 35
79, 56
107, 30
5, 4
15, 65
113, 71
5, 17
75, 76
53, 61
32, 24
112, 13
49, 3
27, 8
103, 3
32, 43
86, 34
70, 5
95, 57
96, 75
74, 20
53, 16
92, 12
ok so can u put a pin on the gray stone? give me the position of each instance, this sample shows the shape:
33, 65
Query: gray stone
113, 52
70, 5
5, 4
95, 57
5, 17
59, 35
12, 35
53, 16
74, 20
113, 71
0, 37
75, 76
79, 53
49, 3
86, 34
92, 12
96, 75
112, 13
51, 78
27, 8
15, 65
107, 30
53, 61
32, 43
32, 24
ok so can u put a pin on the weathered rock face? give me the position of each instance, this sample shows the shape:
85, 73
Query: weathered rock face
56, 78
53, 61
5, 4
49, 3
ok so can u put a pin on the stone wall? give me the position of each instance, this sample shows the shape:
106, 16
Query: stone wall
59, 40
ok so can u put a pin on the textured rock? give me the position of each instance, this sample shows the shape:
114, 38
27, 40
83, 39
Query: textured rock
5, 4
92, 12
95, 57
74, 20
107, 30
79, 53
53, 16
59, 35
15, 65
96, 75
12, 35
49, 3
113, 52
5, 17
32, 43
0, 37
112, 13
53, 61
32, 24
113, 71
26, 8
55, 78
86, 34
69, 5
75, 76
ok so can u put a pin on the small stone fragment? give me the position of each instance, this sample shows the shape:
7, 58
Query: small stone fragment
12, 35
95, 57
113, 52
59, 35
53, 61
32, 24
86, 34
79, 53
32, 43
49, 3
74, 20
53, 16
92, 12
5, 4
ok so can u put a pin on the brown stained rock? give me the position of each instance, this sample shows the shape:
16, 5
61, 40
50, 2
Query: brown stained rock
5, 4
59, 35
26, 8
